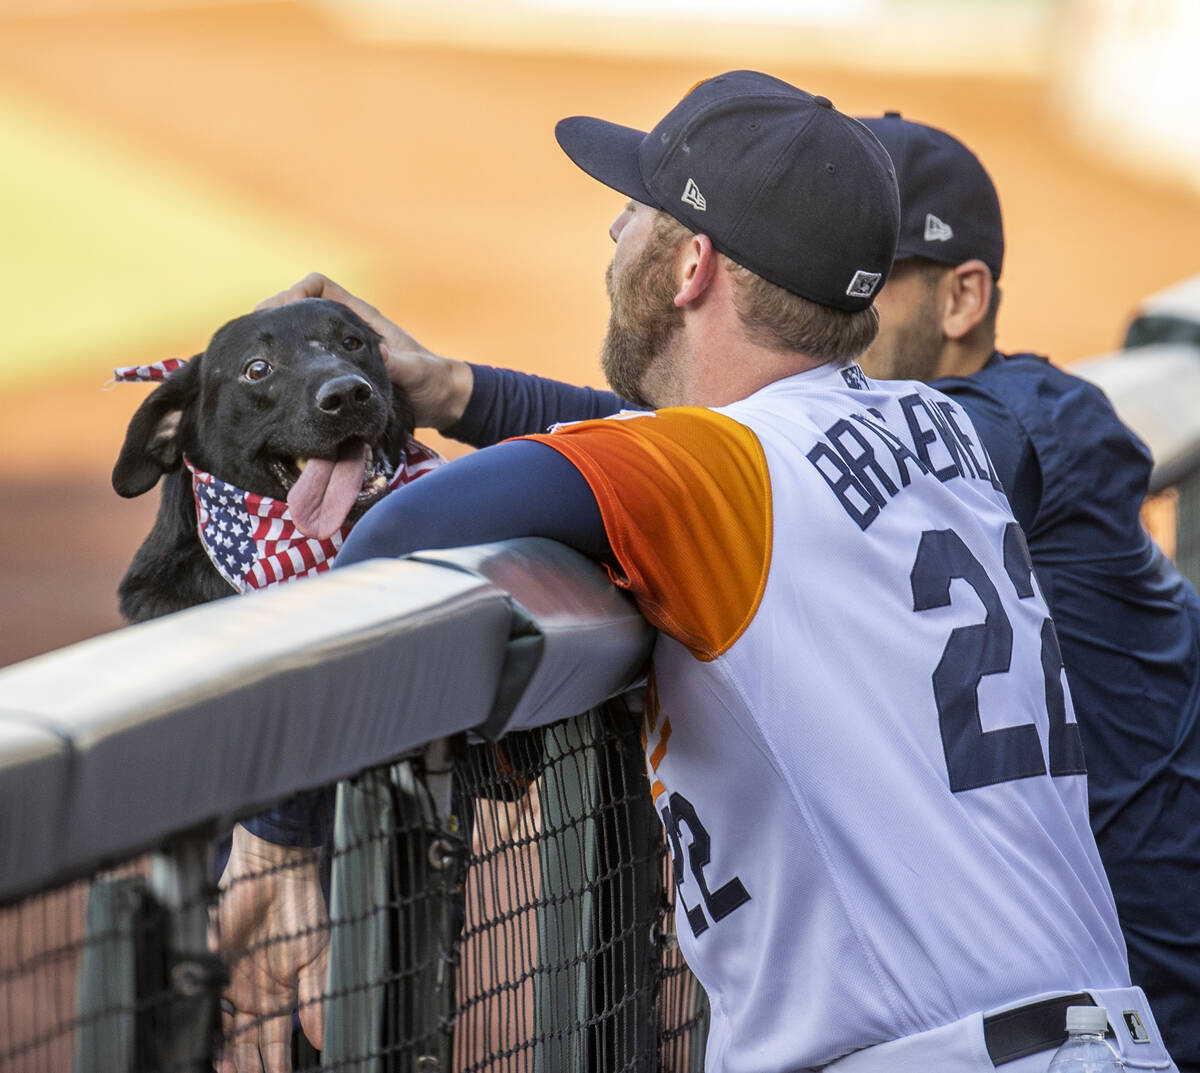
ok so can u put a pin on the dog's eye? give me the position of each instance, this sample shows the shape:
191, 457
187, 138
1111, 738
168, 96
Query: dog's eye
256, 370
352, 342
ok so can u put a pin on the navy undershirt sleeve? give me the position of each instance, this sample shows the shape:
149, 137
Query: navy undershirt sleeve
507, 403
515, 489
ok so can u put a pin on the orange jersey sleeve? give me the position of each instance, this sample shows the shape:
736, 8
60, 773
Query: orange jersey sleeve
686, 502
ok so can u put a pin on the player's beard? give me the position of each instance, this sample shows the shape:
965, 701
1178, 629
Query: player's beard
642, 322
908, 349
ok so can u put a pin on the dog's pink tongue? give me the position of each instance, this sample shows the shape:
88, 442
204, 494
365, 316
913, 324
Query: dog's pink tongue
322, 497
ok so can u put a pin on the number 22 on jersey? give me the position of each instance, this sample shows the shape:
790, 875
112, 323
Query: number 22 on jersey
679, 815
976, 757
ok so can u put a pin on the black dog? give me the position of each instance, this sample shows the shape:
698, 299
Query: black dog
292, 404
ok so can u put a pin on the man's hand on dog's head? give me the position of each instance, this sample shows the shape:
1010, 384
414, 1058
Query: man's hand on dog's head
438, 387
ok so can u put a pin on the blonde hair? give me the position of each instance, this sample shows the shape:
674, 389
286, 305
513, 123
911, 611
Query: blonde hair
780, 320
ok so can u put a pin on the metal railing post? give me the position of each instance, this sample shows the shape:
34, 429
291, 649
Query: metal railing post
566, 908
106, 1000
394, 915
628, 900
360, 923
183, 979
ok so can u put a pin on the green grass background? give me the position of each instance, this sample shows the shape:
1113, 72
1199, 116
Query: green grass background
109, 249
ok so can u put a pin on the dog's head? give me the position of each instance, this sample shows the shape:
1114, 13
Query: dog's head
292, 403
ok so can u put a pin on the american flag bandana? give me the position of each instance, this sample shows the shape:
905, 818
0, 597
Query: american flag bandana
156, 370
252, 540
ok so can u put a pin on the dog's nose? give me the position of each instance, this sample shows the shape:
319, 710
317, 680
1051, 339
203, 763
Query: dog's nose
343, 393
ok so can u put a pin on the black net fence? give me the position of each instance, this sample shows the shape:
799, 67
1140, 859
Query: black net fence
477, 907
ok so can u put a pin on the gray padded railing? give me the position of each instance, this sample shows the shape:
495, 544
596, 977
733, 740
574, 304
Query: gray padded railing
1154, 385
110, 745
153, 739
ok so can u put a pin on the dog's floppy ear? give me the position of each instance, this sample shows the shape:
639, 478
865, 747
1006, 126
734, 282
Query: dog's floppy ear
151, 446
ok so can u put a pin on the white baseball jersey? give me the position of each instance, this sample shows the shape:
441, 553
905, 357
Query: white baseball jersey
859, 737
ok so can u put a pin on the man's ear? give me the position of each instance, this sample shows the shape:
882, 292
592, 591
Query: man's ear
151, 446
697, 269
966, 296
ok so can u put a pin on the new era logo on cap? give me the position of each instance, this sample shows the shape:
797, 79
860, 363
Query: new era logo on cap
937, 230
693, 197
863, 284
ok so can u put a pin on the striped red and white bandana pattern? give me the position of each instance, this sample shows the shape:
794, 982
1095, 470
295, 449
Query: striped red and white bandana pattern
156, 370
252, 540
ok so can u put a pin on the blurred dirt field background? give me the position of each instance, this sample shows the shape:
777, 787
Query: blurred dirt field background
161, 171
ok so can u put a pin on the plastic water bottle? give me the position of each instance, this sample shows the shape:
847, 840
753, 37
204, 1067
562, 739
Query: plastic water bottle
1086, 1050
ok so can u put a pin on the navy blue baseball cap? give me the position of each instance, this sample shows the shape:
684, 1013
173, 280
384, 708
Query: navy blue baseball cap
949, 210
779, 180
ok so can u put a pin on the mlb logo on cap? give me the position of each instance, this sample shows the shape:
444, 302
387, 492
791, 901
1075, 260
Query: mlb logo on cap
1137, 1030
863, 284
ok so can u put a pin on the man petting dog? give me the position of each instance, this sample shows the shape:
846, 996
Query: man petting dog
1128, 622
833, 568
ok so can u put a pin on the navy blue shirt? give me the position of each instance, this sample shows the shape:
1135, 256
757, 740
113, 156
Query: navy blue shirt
1128, 624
